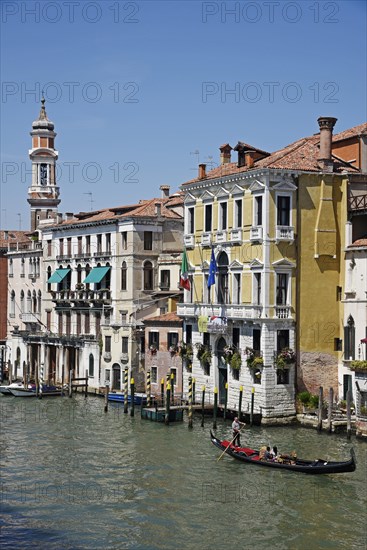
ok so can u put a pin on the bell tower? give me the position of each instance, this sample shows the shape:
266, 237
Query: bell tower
43, 195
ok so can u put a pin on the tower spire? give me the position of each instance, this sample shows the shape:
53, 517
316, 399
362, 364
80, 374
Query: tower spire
43, 114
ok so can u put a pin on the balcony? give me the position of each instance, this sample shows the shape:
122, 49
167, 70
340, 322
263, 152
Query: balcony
63, 257
284, 233
124, 357
220, 310
189, 241
221, 236
206, 239
256, 233
102, 254
29, 318
282, 312
236, 235
163, 286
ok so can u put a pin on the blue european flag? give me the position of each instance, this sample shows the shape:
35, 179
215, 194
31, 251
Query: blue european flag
212, 270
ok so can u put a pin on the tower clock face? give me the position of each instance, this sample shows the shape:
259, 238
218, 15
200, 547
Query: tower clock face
43, 174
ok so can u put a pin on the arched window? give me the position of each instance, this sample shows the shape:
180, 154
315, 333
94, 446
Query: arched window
38, 268
22, 301
22, 267
148, 276
29, 302
91, 365
124, 276
34, 302
349, 339
11, 270
79, 274
39, 301
222, 264
12, 303
48, 276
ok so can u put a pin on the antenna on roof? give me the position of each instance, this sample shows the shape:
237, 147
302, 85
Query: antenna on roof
197, 153
91, 199
211, 162
20, 221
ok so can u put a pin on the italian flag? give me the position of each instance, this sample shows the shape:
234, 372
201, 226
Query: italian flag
184, 278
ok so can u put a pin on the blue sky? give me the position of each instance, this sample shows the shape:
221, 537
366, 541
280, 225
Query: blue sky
135, 88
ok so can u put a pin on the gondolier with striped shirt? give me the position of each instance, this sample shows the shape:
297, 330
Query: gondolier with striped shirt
236, 428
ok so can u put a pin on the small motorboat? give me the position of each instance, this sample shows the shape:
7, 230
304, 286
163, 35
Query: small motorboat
139, 398
6, 390
286, 462
31, 391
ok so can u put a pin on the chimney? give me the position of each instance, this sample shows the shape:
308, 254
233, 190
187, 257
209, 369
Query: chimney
250, 158
58, 217
202, 171
164, 191
158, 208
6, 234
69, 216
240, 148
225, 153
326, 125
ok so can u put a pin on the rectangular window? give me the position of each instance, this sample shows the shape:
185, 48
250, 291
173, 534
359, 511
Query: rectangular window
206, 290
80, 246
238, 213
283, 208
78, 323
87, 323
148, 240
49, 248
282, 340
338, 344
68, 323
206, 339
48, 320
107, 344
123, 276
124, 240
98, 324
236, 337
237, 288
124, 344
87, 244
154, 339
339, 293
282, 287
108, 243
188, 334
61, 247
60, 324
172, 339
99, 244
165, 279
208, 217
68, 247
258, 211
257, 294
191, 220
154, 375
349, 342
223, 215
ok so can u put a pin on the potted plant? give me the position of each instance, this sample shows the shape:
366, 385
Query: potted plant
172, 350
228, 353
186, 353
204, 354
359, 366
236, 361
153, 349
309, 401
254, 361
285, 358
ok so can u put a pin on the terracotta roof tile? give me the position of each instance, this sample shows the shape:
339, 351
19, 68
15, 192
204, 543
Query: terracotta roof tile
11, 237
360, 242
361, 129
171, 317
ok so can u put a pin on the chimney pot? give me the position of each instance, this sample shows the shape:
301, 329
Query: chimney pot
326, 125
69, 216
158, 208
59, 217
225, 153
250, 158
164, 191
202, 171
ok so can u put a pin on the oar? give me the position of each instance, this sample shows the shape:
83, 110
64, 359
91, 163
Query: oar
235, 437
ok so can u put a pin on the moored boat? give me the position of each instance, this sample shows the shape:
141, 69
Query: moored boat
293, 464
6, 390
139, 398
30, 391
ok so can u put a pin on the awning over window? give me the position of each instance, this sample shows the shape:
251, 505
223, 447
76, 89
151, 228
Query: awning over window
59, 275
96, 275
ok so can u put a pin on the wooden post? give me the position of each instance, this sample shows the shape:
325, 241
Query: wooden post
86, 383
62, 379
349, 413
202, 406
190, 402
330, 409
162, 391
240, 403
71, 374
132, 392
126, 396
225, 400
215, 408
168, 391
24, 375
148, 390
193, 390
319, 417
37, 382
172, 388
106, 390
252, 406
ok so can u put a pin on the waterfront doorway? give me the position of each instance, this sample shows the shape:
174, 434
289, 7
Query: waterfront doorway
222, 370
116, 377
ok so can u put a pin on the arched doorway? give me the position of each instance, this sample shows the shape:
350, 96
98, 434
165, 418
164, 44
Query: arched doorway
222, 370
116, 377
222, 265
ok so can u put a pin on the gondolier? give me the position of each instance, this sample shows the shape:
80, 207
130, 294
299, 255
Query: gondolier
236, 428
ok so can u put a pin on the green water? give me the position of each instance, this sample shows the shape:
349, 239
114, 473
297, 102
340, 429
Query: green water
74, 477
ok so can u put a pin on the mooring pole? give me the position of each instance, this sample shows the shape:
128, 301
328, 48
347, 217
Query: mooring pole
86, 383
71, 375
62, 379
202, 406
162, 391
319, 416
168, 391
240, 403
40, 385
148, 388
349, 413
215, 408
172, 388
190, 402
132, 392
252, 406
330, 409
225, 401
37, 382
106, 398
126, 396
193, 390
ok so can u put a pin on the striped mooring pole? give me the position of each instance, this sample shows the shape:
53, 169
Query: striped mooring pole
240, 403
40, 383
126, 397
215, 408
162, 391
168, 391
148, 390
172, 388
132, 392
190, 402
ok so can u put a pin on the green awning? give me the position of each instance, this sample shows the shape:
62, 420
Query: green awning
59, 275
96, 275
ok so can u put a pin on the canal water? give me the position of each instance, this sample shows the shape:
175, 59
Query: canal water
73, 477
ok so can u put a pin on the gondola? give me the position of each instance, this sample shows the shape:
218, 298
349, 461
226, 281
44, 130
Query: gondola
318, 466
